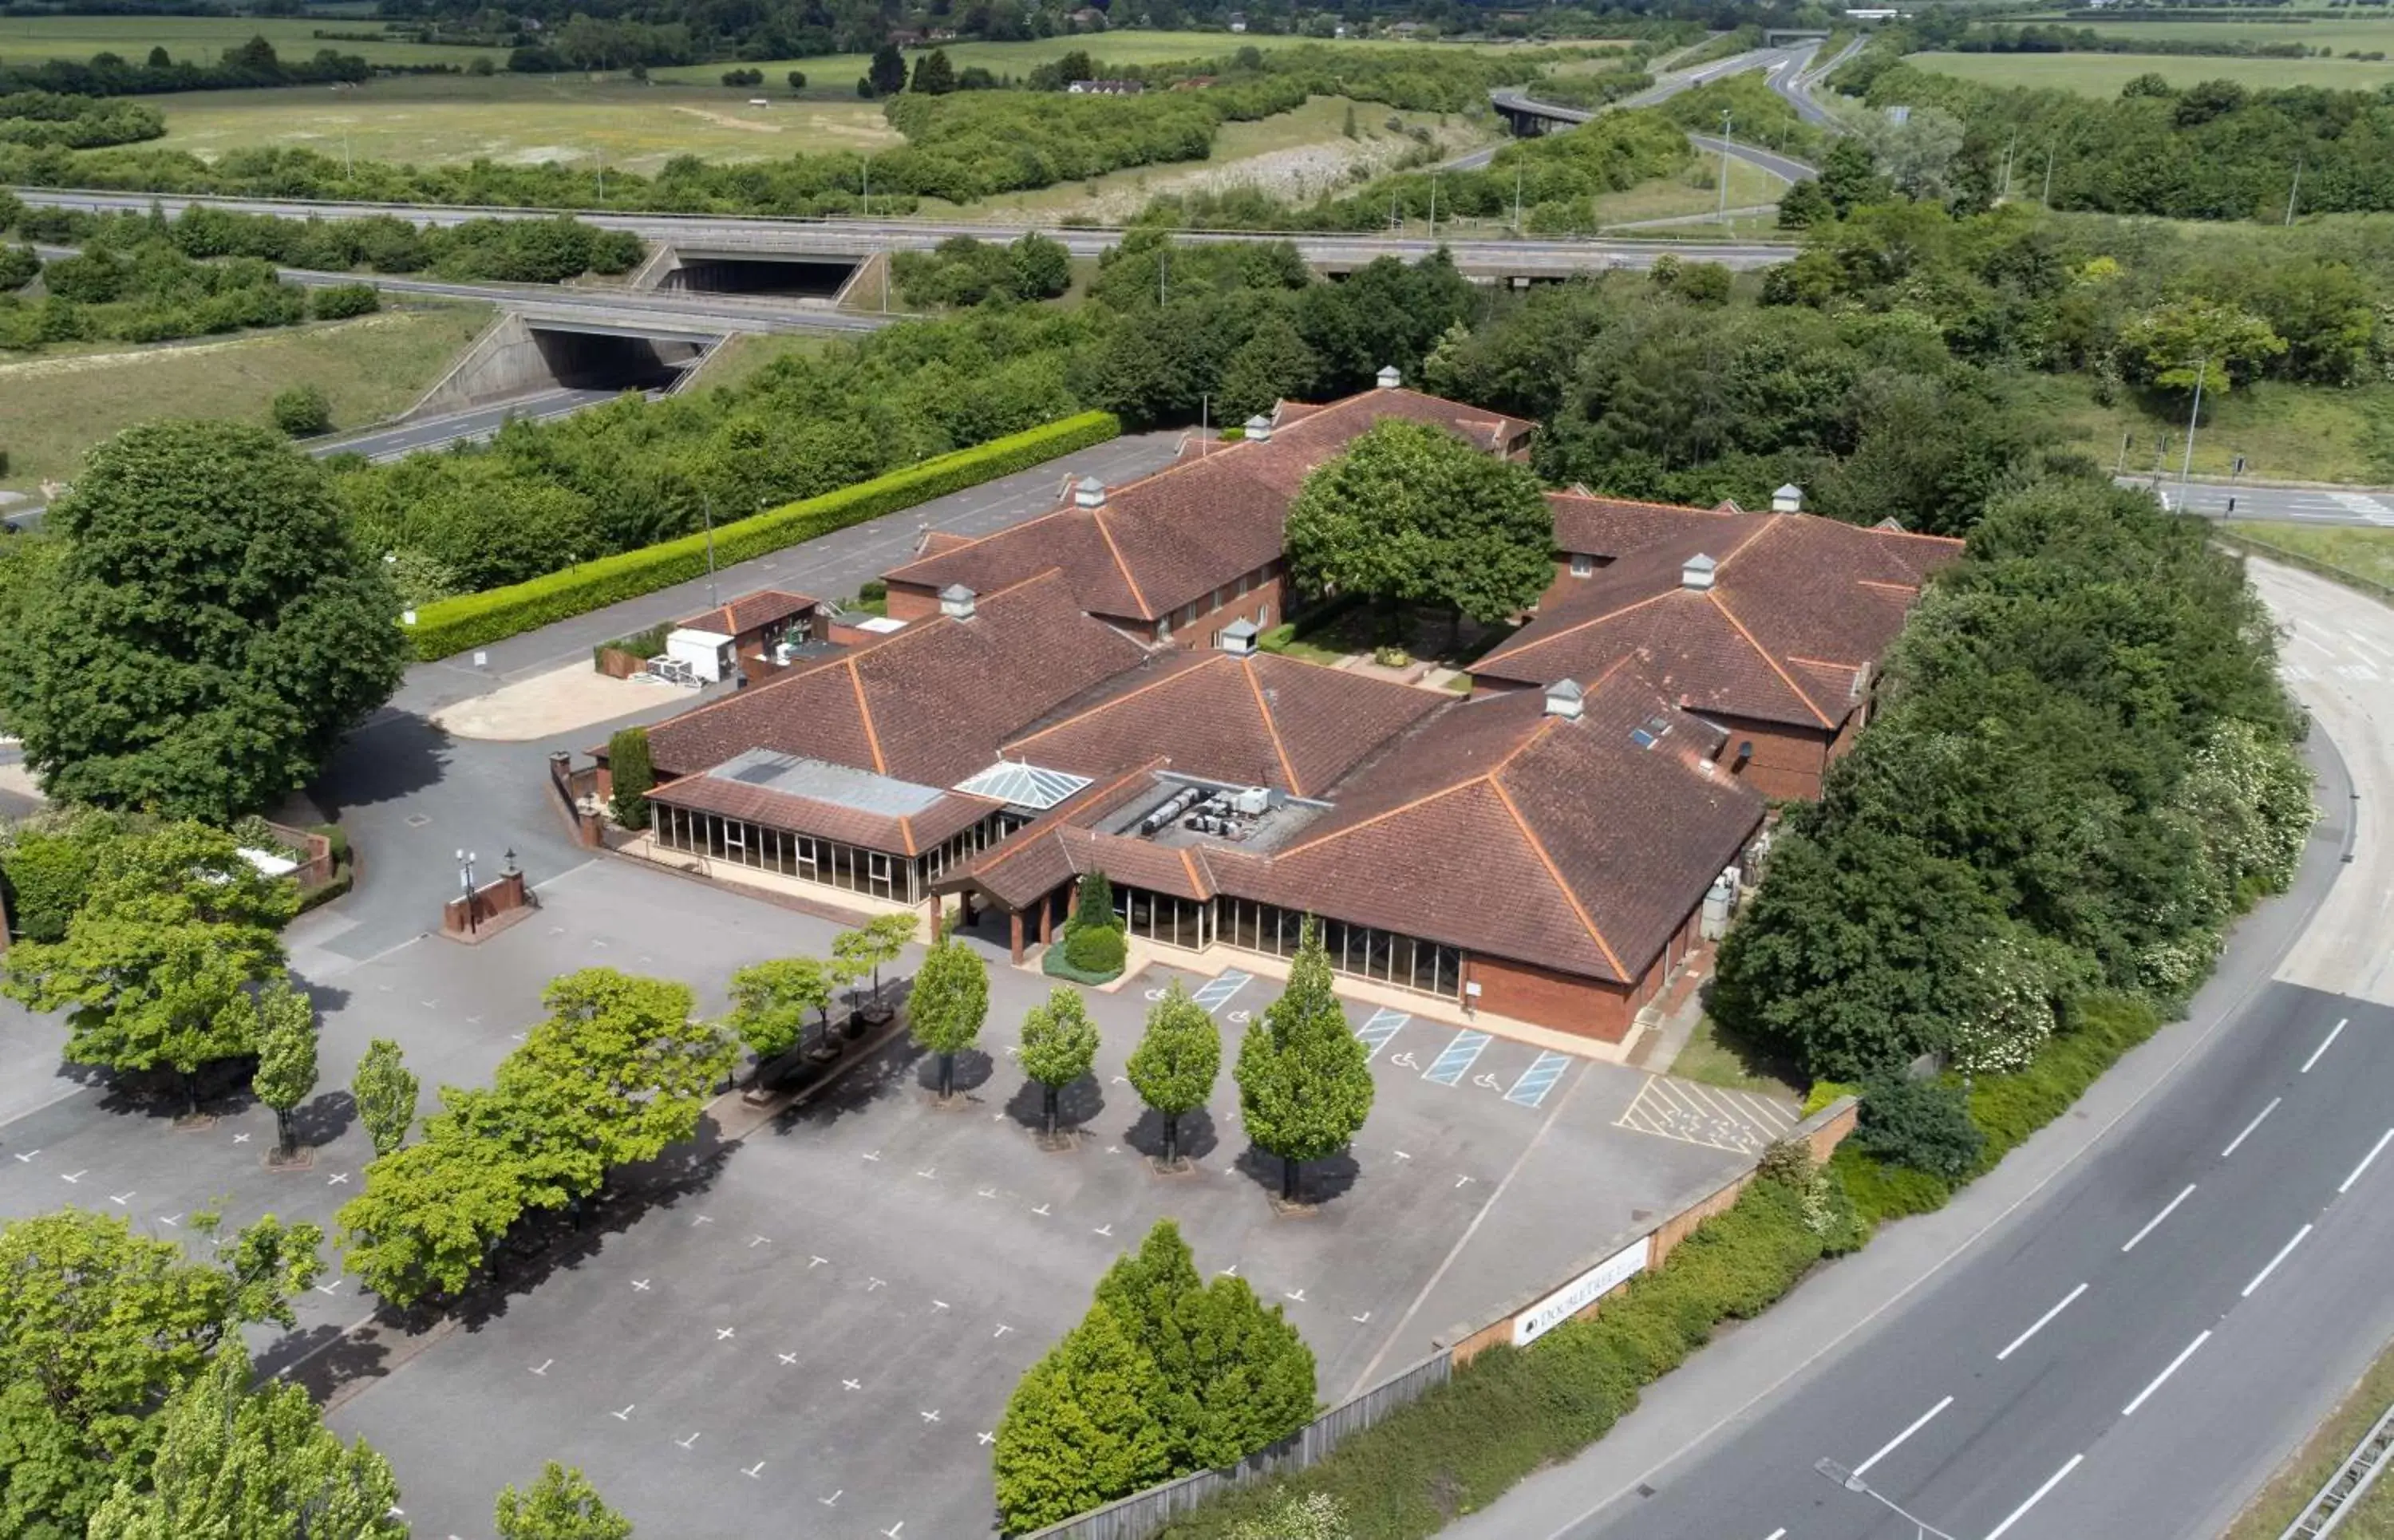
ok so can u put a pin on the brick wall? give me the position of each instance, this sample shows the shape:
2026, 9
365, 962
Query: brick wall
1587, 1007
1787, 761
1265, 603
913, 601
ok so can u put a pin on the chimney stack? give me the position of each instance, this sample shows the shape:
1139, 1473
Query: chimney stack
1260, 430
1090, 492
1787, 499
957, 602
1239, 639
1390, 378
1565, 699
1698, 572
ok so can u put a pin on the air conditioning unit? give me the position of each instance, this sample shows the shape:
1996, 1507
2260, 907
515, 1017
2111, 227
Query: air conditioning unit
1254, 802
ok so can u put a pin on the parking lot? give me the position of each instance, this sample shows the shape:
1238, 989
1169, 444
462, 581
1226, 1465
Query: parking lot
815, 1330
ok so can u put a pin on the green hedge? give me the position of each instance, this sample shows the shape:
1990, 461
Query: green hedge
451, 625
1510, 1412
1057, 965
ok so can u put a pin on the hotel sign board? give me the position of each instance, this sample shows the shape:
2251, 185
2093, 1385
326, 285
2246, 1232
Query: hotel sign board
1581, 1292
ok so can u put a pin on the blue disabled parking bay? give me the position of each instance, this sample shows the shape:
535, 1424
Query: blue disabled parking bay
1375, 1033
1538, 1079
1450, 1066
1215, 993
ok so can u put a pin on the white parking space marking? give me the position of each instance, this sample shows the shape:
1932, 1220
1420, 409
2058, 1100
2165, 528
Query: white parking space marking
1710, 1116
1375, 1033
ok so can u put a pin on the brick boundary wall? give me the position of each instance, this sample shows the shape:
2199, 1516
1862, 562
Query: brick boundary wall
1142, 1513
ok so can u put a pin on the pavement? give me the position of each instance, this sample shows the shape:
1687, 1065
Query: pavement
2122, 1330
2288, 505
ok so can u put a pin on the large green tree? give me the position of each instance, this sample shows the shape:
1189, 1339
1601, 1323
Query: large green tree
155, 968
1411, 513
1305, 1080
2175, 345
949, 1003
769, 1002
431, 1214
561, 1505
256, 1464
1177, 1062
98, 1326
1059, 1043
209, 634
621, 1069
1080, 1430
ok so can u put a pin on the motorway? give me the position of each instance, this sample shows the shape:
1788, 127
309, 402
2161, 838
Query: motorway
2121, 1331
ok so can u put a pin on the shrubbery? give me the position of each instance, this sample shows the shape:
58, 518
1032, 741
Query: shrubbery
1097, 951
1920, 1123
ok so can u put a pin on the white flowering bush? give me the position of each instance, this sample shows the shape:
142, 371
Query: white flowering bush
2251, 794
2007, 1009
1315, 1516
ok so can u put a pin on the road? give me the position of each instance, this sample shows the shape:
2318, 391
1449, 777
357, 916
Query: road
2318, 505
1782, 64
2122, 1343
1533, 258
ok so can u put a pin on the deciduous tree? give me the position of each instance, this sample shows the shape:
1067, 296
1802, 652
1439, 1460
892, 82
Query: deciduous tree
210, 634
1177, 1062
620, 1068
384, 1090
866, 950
561, 1505
254, 1463
769, 1002
2172, 345
1305, 1081
428, 1217
1080, 1430
949, 1003
1059, 1041
286, 1055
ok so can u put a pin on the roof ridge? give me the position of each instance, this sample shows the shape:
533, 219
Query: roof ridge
1096, 707
1562, 886
1272, 729
1761, 528
864, 715
1120, 565
1382, 816
1643, 503
971, 541
1764, 653
1503, 652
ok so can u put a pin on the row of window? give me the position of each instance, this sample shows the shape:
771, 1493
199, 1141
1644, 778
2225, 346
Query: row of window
1363, 951
1187, 614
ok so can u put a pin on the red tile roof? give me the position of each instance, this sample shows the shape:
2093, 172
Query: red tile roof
750, 611
1203, 522
1256, 720
1798, 608
925, 705
1613, 527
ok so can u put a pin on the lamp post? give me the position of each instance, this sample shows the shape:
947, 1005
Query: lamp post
1852, 1481
1724, 175
2186, 465
465, 876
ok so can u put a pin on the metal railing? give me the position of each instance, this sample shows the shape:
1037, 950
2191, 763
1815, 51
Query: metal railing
2345, 1489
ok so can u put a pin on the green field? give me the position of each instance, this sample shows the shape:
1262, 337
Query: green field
525, 119
838, 72
2367, 554
1695, 190
54, 409
2338, 34
27, 40
2103, 74
2284, 432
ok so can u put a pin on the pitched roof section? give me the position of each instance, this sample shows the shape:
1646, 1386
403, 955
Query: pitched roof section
1569, 844
1797, 608
911, 832
1256, 720
750, 611
1157, 544
927, 705
1610, 528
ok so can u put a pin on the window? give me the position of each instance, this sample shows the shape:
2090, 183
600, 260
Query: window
1582, 565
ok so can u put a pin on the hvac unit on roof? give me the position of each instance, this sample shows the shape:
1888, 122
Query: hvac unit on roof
1254, 802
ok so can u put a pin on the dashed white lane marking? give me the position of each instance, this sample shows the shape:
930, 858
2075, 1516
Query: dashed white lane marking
2250, 1126
2042, 1322
2034, 1497
2334, 1032
2263, 1276
2166, 1211
2184, 1353
1896, 1442
2375, 1149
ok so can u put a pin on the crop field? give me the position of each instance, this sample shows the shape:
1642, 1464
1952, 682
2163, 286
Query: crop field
2339, 32
2103, 74
30, 40
837, 74
524, 119
55, 408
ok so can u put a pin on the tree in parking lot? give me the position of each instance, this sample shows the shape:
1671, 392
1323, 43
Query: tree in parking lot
431, 1214
1177, 1062
949, 1003
620, 1067
561, 1505
286, 1055
209, 632
769, 1002
1059, 1041
866, 950
1080, 1430
385, 1091
1305, 1081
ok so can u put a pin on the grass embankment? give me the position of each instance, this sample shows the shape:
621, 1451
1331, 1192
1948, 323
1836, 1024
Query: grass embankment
2285, 432
837, 74
2103, 74
2277, 1503
434, 120
199, 39
54, 409
1714, 1056
2366, 554
1695, 190
737, 359
2364, 36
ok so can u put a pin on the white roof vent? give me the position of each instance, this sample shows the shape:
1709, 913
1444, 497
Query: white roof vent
1698, 573
1390, 378
1239, 637
1090, 492
957, 602
1566, 699
1260, 430
1787, 499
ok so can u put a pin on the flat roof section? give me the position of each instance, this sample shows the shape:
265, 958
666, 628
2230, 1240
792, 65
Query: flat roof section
820, 781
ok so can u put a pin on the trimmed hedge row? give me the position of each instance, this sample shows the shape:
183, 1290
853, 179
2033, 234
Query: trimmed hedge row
451, 625
1511, 1411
